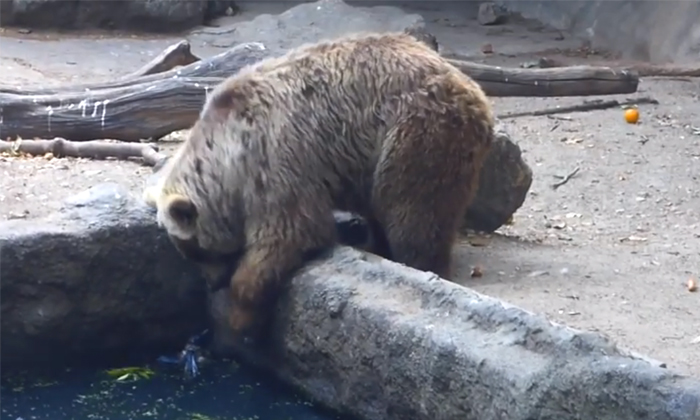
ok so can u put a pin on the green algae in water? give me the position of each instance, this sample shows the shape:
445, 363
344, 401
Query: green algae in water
223, 391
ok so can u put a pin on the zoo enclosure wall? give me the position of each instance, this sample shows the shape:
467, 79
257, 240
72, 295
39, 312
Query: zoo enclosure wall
651, 30
657, 31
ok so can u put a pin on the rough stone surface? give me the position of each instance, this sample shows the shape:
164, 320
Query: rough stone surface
97, 280
149, 15
503, 185
311, 22
491, 14
384, 342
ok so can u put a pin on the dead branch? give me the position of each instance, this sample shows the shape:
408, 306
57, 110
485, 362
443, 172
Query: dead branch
569, 81
642, 69
584, 107
148, 107
89, 149
566, 178
175, 55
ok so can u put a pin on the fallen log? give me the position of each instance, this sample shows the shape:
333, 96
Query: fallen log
567, 81
155, 105
133, 113
148, 107
642, 69
88, 149
175, 55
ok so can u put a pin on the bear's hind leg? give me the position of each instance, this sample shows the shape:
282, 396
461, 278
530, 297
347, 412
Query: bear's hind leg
421, 244
426, 178
421, 227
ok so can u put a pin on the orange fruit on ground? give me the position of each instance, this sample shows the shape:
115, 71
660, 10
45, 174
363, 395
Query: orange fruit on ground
632, 115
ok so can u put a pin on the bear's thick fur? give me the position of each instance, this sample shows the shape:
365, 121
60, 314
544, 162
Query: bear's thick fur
379, 125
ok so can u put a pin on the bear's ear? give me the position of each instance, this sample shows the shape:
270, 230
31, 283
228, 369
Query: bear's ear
182, 211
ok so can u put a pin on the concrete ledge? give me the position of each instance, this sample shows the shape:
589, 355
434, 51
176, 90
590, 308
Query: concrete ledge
382, 341
97, 281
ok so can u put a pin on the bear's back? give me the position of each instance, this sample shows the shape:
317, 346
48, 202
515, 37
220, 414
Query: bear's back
319, 110
333, 90
363, 68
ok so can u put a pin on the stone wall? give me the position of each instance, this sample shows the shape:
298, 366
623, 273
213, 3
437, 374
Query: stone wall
658, 31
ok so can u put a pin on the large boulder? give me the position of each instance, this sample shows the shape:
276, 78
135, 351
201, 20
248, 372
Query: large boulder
310, 22
148, 15
503, 185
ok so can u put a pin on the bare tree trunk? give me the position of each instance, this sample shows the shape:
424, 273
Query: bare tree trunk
565, 81
642, 69
129, 109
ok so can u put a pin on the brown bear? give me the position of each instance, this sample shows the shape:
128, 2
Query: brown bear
377, 124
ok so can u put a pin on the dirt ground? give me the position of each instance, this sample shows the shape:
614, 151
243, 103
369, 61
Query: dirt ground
609, 251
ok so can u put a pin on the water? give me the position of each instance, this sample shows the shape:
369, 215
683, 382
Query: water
223, 391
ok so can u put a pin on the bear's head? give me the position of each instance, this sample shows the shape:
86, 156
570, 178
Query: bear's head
201, 215
216, 254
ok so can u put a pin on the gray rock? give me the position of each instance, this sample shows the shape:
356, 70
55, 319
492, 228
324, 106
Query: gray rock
149, 15
504, 182
491, 14
311, 22
96, 281
384, 342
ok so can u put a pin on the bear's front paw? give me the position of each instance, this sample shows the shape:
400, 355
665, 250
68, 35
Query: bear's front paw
246, 285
